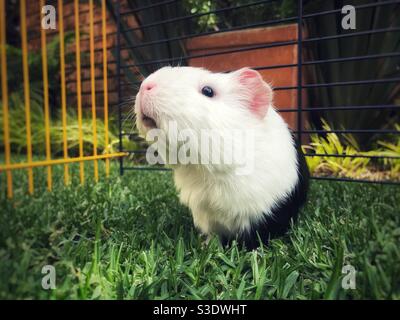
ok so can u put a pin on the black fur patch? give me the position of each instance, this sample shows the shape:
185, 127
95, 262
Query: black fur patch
278, 224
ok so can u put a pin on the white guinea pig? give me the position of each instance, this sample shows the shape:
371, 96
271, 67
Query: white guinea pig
259, 204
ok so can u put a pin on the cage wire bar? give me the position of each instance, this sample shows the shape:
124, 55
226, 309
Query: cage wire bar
29, 164
127, 88
63, 90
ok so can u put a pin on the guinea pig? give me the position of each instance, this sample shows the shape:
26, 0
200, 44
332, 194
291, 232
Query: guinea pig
251, 207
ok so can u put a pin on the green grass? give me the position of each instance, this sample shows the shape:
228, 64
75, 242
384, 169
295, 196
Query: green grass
128, 238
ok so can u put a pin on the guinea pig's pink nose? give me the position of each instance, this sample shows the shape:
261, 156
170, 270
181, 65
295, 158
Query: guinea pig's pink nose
148, 86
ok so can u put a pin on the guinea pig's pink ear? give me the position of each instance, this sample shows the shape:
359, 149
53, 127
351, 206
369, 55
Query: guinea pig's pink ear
256, 92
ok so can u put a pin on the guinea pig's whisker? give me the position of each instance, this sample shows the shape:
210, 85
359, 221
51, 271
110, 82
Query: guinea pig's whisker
133, 122
126, 101
180, 61
142, 76
130, 116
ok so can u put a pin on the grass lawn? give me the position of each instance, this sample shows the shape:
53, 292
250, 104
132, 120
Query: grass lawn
128, 238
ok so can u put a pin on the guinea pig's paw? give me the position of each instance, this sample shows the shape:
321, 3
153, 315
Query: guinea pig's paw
206, 240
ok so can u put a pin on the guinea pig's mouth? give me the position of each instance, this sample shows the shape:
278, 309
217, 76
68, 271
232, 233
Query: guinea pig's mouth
149, 122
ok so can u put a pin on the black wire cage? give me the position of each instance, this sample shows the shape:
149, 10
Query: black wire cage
342, 70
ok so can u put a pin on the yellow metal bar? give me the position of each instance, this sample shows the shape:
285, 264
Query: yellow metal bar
46, 100
93, 88
26, 92
78, 88
63, 90
105, 80
4, 96
15, 166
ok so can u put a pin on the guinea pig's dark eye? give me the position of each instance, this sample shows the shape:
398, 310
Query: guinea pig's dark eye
207, 91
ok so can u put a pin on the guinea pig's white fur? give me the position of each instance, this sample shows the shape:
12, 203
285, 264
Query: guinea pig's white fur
221, 201
228, 203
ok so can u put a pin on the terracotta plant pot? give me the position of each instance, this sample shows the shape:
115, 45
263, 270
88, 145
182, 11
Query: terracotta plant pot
263, 57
